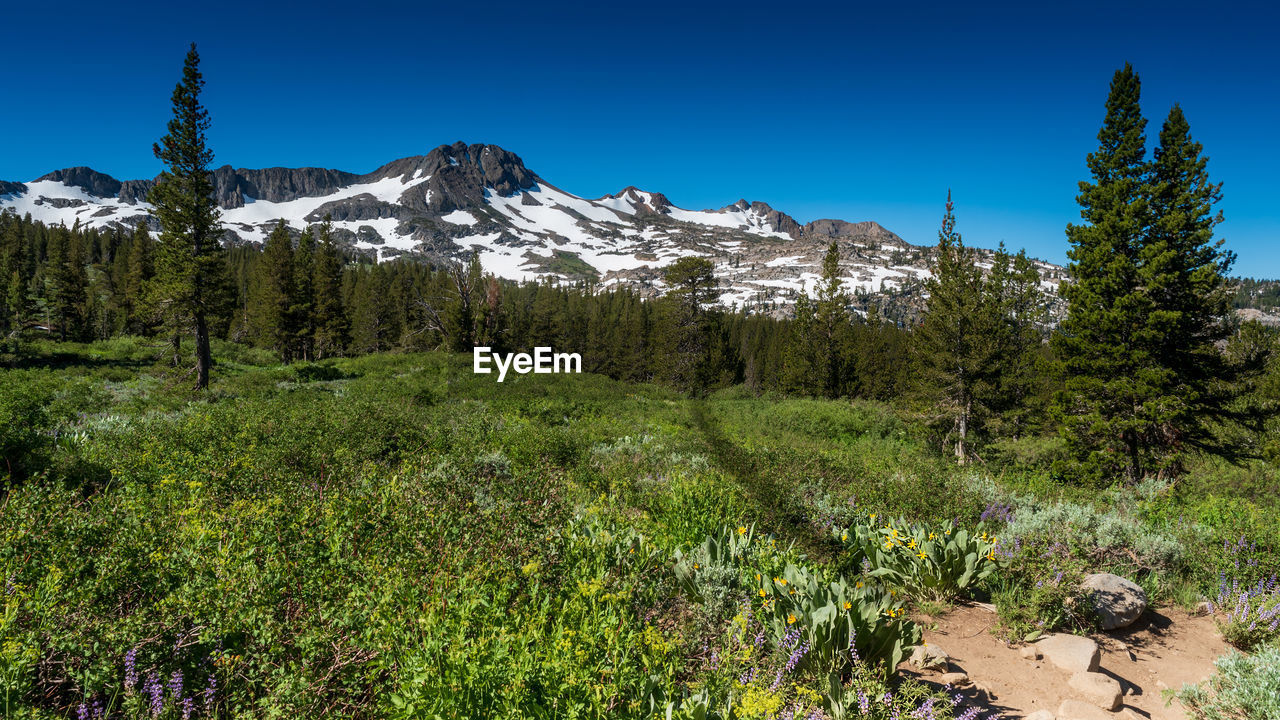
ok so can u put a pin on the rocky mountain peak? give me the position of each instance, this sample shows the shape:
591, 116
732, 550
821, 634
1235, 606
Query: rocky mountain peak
87, 179
460, 174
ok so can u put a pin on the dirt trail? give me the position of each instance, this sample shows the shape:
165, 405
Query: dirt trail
1165, 648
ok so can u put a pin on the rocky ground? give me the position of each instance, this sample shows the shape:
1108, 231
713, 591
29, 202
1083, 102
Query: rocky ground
1116, 674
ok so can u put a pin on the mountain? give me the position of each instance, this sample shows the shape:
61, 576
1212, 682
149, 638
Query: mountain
462, 198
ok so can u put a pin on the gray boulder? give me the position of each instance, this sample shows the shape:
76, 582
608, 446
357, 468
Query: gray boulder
1072, 653
1116, 601
1101, 690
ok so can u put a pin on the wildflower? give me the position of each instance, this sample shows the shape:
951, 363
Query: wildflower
175, 684
130, 671
187, 707
780, 581
790, 618
762, 592
82, 712
847, 605
844, 537
742, 530
156, 691
921, 555
209, 693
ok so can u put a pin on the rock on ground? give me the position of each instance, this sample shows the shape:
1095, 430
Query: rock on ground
1040, 715
1076, 710
925, 657
1099, 689
956, 679
1070, 652
1118, 602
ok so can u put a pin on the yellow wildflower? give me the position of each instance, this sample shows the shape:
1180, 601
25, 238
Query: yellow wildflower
790, 618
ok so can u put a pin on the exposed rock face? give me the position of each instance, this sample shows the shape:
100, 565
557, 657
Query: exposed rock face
780, 222
1099, 689
360, 207
1118, 602
866, 232
459, 175
275, 184
135, 191
1072, 653
87, 179
12, 188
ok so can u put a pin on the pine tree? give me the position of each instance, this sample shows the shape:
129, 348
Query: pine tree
272, 293
189, 261
303, 301
1182, 274
329, 319
954, 352
1112, 381
800, 373
831, 327
138, 272
686, 361
67, 284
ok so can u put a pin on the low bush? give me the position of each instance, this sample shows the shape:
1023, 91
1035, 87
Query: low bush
1244, 687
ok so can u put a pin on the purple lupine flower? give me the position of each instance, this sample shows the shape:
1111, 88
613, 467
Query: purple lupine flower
187, 707
99, 712
156, 691
130, 671
209, 692
175, 684
82, 712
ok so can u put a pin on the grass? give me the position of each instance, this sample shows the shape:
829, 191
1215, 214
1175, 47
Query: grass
394, 536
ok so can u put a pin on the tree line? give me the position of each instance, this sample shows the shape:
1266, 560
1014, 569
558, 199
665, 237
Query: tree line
1147, 366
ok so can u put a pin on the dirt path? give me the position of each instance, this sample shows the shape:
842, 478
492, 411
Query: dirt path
1165, 648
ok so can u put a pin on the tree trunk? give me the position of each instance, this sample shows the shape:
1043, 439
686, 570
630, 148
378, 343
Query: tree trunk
203, 360
176, 344
962, 454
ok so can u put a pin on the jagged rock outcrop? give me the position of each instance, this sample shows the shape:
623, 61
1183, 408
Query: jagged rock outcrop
858, 231
87, 179
275, 184
779, 221
12, 188
135, 191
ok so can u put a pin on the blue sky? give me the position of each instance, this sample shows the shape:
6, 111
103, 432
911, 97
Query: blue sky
860, 112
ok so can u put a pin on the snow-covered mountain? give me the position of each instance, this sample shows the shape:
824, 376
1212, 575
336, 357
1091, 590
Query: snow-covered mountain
460, 198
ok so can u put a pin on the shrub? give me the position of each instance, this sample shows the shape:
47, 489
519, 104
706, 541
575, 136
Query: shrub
931, 562
1244, 687
1248, 615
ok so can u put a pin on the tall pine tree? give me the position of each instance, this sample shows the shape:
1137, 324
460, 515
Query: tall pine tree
189, 262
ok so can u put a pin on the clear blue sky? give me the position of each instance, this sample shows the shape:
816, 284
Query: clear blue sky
822, 110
